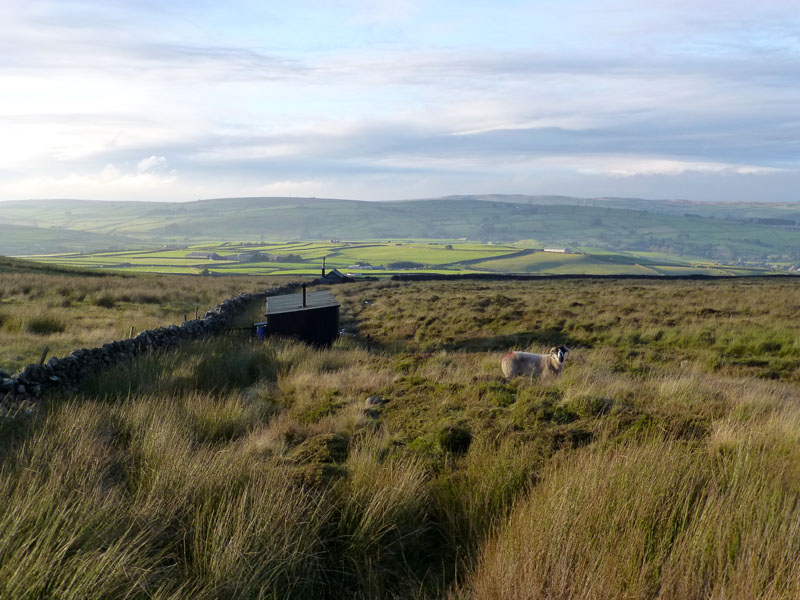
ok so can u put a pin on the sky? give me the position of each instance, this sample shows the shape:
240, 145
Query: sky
396, 99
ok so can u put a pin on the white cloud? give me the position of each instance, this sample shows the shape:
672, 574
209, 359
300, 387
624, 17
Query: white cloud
630, 166
109, 183
95, 98
152, 164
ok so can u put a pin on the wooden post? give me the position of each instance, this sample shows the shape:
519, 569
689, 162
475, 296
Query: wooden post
44, 355
195, 312
130, 335
184, 318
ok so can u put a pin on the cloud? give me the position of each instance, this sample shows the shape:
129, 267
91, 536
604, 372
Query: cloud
152, 164
398, 96
110, 182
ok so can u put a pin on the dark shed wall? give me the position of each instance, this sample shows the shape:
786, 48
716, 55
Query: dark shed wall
318, 326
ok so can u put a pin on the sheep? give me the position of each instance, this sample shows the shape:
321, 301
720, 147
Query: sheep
534, 365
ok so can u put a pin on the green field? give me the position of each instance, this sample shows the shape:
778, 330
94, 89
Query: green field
751, 235
382, 259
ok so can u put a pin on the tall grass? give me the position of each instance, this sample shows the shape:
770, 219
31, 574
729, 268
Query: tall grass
662, 519
66, 312
657, 465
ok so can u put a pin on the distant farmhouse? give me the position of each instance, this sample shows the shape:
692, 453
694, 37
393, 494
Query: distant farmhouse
205, 255
247, 257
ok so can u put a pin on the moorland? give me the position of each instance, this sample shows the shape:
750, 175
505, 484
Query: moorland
46, 307
663, 463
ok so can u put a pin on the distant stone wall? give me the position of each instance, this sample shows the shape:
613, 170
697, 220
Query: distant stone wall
20, 393
525, 277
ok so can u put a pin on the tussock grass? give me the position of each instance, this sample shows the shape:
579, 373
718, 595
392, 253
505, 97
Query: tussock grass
208, 365
69, 311
383, 522
658, 519
659, 464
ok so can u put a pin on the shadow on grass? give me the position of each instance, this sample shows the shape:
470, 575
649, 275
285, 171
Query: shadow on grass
514, 341
17, 430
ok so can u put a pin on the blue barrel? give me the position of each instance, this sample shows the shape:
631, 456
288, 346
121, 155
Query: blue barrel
261, 331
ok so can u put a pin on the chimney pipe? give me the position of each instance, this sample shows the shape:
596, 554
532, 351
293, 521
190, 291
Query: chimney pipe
323, 266
304, 295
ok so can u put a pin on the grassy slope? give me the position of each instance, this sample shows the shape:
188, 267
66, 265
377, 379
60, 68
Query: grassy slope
19, 239
63, 309
17, 265
719, 210
663, 463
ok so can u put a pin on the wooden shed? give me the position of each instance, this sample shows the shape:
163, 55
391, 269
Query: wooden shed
310, 316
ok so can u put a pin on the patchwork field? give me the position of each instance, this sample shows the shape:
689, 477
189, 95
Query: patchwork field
752, 234
663, 463
386, 258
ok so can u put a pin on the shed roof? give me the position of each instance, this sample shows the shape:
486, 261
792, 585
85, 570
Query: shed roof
294, 302
334, 274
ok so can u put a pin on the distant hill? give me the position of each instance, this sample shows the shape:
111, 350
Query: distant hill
784, 212
725, 232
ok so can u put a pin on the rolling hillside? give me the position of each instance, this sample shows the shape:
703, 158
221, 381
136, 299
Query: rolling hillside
759, 212
136, 224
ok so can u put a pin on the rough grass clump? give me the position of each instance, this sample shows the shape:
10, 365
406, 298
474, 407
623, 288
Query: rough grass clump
46, 324
386, 539
472, 497
455, 440
322, 448
83, 303
213, 366
698, 521
115, 501
233, 365
104, 300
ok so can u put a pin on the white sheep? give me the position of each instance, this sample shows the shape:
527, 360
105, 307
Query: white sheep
534, 365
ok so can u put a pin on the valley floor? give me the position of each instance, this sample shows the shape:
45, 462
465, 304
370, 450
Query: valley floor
382, 258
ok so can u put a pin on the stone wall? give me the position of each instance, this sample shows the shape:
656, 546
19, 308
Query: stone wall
20, 393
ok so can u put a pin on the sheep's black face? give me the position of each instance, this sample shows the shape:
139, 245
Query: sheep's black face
561, 353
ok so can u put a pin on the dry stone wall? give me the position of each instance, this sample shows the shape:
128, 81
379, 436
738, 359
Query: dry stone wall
20, 393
